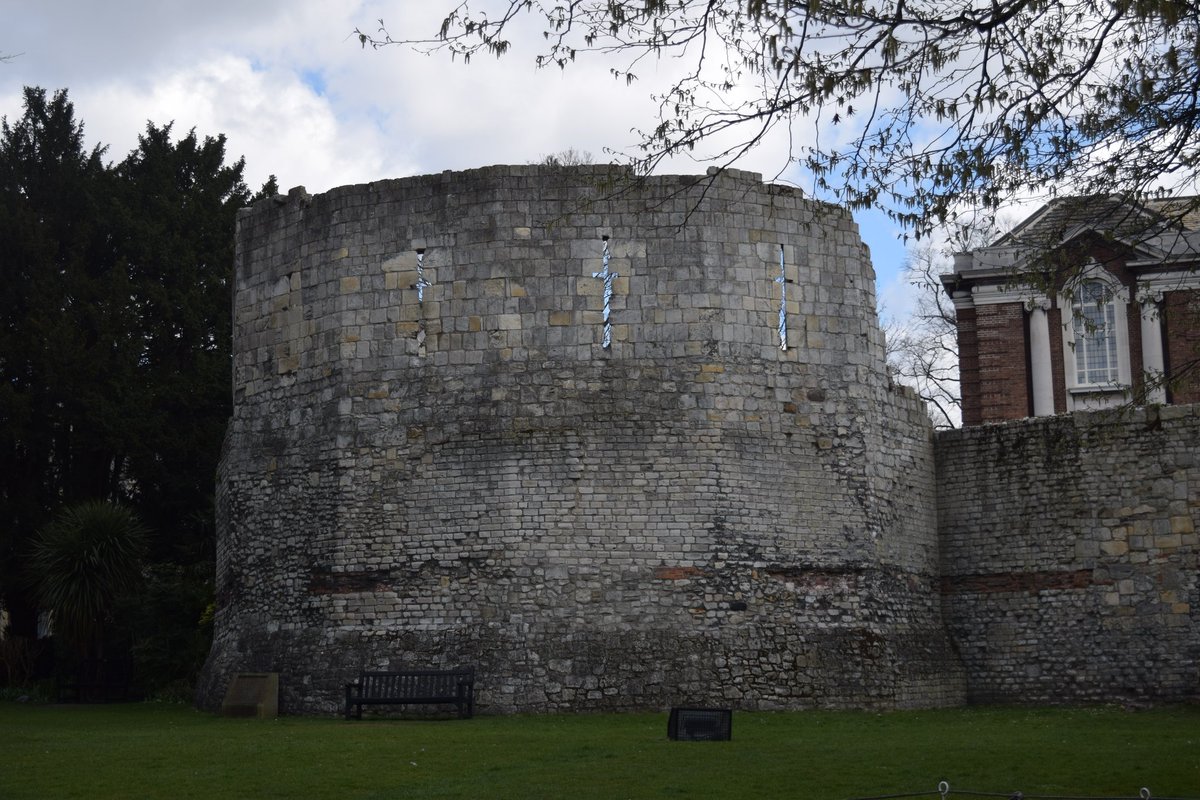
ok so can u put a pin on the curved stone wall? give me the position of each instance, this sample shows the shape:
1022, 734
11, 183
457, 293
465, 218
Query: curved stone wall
435, 459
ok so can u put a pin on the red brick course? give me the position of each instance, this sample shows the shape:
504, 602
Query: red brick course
1017, 582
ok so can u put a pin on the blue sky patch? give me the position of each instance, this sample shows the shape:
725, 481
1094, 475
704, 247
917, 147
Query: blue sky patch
315, 80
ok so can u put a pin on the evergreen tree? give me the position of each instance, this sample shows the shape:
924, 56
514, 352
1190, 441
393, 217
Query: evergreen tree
57, 345
175, 208
84, 561
114, 340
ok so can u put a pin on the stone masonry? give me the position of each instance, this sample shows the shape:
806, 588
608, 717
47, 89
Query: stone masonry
435, 460
1069, 555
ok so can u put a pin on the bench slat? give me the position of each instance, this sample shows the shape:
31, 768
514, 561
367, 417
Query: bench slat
401, 687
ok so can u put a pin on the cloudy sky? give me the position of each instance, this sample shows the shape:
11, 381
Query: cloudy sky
288, 84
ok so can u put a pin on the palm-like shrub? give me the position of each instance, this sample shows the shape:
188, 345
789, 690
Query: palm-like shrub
83, 561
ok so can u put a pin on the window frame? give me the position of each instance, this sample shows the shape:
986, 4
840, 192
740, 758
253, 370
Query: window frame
1093, 394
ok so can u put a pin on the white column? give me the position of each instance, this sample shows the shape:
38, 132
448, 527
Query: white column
1039, 356
1153, 365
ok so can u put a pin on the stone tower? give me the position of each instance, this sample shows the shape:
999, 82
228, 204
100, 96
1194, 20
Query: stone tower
616, 444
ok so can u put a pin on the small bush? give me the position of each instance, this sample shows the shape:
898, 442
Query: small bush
86, 559
36, 694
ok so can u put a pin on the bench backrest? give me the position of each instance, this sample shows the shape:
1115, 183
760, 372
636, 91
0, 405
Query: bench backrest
415, 683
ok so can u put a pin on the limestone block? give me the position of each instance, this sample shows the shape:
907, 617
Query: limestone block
1114, 548
626, 249
542, 453
592, 288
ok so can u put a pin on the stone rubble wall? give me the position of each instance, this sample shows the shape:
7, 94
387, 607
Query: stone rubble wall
1069, 555
692, 515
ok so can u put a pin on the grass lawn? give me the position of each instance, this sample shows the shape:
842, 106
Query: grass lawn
165, 751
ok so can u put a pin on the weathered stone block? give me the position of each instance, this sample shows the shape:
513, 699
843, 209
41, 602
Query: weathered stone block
541, 450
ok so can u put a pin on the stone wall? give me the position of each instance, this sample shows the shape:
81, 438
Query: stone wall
1069, 555
434, 458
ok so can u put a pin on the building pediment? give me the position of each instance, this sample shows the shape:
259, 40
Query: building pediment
1146, 235
1088, 303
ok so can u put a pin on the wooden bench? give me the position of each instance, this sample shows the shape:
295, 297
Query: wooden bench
402, 687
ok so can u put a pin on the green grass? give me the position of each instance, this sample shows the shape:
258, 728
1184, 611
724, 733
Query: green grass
164, 751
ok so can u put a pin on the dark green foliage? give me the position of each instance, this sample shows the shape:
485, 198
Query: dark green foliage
53, 357
169, 629
19, 657
85, 560
114, 341
174, 206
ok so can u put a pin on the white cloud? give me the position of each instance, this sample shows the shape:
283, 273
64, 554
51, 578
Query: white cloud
897, 298
290, 87
272, 118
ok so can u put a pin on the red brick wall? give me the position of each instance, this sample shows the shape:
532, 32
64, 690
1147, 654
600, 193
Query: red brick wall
1182, 345
1003, 372
968, 366
993, 354
1055, 318
1133, 318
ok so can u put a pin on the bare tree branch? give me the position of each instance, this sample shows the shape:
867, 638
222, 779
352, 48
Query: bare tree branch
922, 350
942, 105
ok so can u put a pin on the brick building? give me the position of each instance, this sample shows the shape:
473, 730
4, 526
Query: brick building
1087, 304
